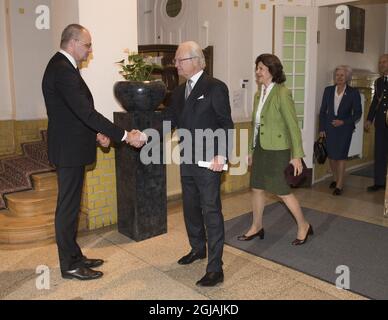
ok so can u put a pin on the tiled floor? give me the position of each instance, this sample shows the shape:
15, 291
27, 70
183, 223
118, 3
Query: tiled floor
148, 269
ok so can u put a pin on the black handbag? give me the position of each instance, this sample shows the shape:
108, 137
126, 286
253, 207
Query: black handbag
320, 153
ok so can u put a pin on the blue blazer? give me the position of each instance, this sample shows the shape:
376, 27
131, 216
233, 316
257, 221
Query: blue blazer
349, 109
338, 139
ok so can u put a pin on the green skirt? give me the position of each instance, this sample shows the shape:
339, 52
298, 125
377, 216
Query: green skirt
268, 170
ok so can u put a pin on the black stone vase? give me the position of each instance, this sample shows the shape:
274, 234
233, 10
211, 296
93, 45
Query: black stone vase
141, 189
142, 96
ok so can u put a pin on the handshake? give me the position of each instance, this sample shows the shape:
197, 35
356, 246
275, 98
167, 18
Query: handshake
135, 138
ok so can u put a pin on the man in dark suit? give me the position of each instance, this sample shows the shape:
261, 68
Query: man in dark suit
202, 103
73, 128
378, 113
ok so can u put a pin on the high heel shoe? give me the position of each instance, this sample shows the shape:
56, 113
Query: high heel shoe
260, 234
337, 192
298, 242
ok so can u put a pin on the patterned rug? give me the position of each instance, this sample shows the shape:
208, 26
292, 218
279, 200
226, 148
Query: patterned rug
15, 172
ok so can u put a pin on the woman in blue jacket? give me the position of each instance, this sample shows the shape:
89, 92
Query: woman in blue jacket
340, 110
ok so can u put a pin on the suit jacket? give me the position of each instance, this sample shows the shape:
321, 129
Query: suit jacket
377, 104
349, 110
206, 108
279, 128
72, 120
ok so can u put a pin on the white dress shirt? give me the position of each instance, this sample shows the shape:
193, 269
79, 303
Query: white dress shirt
194, 79
263, 99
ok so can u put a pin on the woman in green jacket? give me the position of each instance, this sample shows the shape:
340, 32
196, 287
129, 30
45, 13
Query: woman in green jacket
276, 142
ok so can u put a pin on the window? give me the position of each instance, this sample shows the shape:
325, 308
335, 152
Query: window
294, 60
173, 8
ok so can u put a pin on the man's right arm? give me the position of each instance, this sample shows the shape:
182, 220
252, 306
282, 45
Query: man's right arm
68, 85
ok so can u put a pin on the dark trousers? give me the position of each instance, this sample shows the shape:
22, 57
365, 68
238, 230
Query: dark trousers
70, 182
381, 149
203, 216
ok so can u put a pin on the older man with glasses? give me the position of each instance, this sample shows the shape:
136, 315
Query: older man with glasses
202, 103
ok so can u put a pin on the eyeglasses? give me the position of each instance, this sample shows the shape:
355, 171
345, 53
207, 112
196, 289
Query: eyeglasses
86, 45
174, 61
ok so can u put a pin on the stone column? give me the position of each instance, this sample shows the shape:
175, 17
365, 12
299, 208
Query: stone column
141, 189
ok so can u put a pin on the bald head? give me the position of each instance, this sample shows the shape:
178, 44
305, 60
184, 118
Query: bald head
71, 32
76, 41
383, 64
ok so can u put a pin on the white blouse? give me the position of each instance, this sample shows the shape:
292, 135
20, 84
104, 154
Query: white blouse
337, 100
263, 99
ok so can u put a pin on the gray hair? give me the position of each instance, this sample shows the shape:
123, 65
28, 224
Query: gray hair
196, 51
72, 31
348, 72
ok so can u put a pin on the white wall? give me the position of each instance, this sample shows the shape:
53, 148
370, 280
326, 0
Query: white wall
113, 27
6, 109
63, 13
241, 61
31, 50
331, 49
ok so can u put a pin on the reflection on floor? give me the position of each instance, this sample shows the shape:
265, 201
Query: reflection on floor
148, 270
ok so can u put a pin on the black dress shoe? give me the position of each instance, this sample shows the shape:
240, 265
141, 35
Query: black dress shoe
210, 279
82, 273
191, 257
337, 192
92, 263
298, 242
260, 234
332, 185
375, 187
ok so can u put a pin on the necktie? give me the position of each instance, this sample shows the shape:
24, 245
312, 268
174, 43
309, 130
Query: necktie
188, 88
386, 80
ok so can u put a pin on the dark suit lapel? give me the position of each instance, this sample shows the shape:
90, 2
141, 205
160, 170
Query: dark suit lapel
198, 90
331, 100
83, 83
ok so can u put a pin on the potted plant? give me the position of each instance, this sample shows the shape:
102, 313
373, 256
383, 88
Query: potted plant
140, 91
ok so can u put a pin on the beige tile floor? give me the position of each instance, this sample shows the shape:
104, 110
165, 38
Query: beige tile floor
148, 269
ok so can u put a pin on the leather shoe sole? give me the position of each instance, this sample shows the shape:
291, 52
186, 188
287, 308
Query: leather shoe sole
211, 279
92, 263
82, 273
259, 234
191, 257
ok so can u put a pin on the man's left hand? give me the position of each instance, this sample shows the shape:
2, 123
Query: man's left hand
217, 164
103, 140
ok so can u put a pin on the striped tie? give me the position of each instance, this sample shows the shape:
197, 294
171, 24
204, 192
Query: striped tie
188, 88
